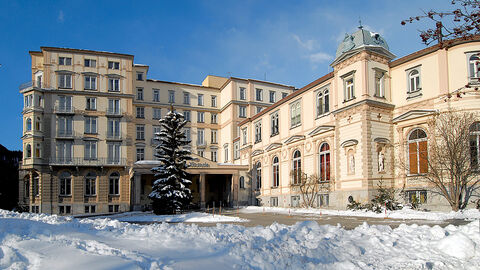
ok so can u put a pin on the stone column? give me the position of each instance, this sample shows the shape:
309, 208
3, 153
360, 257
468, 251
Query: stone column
202, 190
235, 189
137, 182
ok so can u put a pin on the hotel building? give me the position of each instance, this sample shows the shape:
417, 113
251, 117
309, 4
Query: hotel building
89, 120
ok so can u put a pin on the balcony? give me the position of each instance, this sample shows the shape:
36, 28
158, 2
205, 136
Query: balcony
34, 85
69, 161
67, 134
64, 109
114, 112
114, 136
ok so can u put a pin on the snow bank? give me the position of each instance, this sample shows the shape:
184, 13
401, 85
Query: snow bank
50, 242
469, 214
198, 217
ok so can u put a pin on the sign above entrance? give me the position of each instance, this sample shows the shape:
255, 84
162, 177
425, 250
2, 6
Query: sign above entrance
198, 165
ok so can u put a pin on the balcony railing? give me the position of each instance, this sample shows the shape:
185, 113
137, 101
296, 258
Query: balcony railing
114, 112
34, 84
114, 136
67, 134
64, 109
76, 161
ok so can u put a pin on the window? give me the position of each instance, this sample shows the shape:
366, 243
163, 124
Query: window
200, 117
323, 102
26, 187
475, 145
225, 148
379, 84
113, 128
417, 152
187, 133
214, 136
274, 124
236, 150
114, 84
65, 61
242, 182
90, 152
156, 95
114, 184
140, 112
139, 76
156, 130
242, 111
157, 113
65, 126
186, 98
113, 106
295, 114
258, 109
186, 115
417, 196
258, 94
113, 208
29, 124
349, 92
200, 152
414, 81
113, 65
200, 136
65, 184
214, 118
38, 124
90, 125
65, 103
274, 201
90, 209
324, 162
200, 100
28, 101
90, 63
295, 201
139, 93
297, 168
272, 96
258, 132
64, 80
258, 176
91, 104
275, 172
214, 101
474, 65
90, 82
171, 96
244, 136
243, 93
28, 150
64, 209
322, 200
284, 95
64, 151
36, 185
140, 154
37, 150
140, 132
90, 184
213, 154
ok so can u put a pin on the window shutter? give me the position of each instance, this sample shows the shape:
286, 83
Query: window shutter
423, 155
412, 154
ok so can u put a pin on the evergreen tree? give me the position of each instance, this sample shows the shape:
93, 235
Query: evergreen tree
170, 191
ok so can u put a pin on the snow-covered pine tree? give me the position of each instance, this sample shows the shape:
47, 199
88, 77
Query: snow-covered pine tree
170, 191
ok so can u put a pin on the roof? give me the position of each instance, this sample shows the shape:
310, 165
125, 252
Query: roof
289, 97
58, 49
359, 39
255, 81
185, 84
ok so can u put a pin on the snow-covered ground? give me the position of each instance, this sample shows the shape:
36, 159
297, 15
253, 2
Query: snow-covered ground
51, 242
469, 214
197, 217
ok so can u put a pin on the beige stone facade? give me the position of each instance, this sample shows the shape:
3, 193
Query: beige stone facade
90, 118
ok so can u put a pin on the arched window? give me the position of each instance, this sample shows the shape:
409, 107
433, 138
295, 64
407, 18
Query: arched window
35, 184
326, 102
65, 184
90, 184
297, 167
258, 167
26, 184
324, 162
38, 126
28, 150
417, 152
114, 184
475, 145
38, 150
414, 80
474, 66
242, 182
29, 124
275, 172
319, 103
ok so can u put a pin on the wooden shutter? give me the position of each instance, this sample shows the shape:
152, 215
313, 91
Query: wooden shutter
412, 155
423, 155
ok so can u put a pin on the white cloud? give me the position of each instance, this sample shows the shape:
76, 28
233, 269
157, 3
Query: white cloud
61, 16
319, 57
309, 44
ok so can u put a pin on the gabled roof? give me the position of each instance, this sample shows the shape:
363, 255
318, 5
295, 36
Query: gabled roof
273, 146
294, 138
412, 114
321, 129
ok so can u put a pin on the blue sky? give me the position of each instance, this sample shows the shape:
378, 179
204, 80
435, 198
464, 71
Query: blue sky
289, 42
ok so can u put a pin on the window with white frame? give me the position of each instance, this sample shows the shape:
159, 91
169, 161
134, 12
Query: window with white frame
349, 89
113, 154
90, 82
28, 101
414, 80
214, 101
214, 136
243, 93
295, 114
200, 136
140, 112
140, 132
258, 94
65, 103
236, 150
323, 200
171, 96
475, 146
324, 162
297, 168
156, 130
28, 124
274, 201
90, 63
91, 184
65, 61
258, 176
113, 65
272, 96
157, 113
113, 128
187, 134
90, 125
187, 116
114, 184
140, 153
65, 126
156, 95
200, 152
379, 83
65, 184
186, 98
114, 84
200, 99
242, 111
90, 150
91, 104
213, 155
416, 196
113, 106
28, 151
474, 66
139, 76
65, 80
200, 117
225, 149
213, 118
139, 93
258, 132
244, 136
64, 151
323, 102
